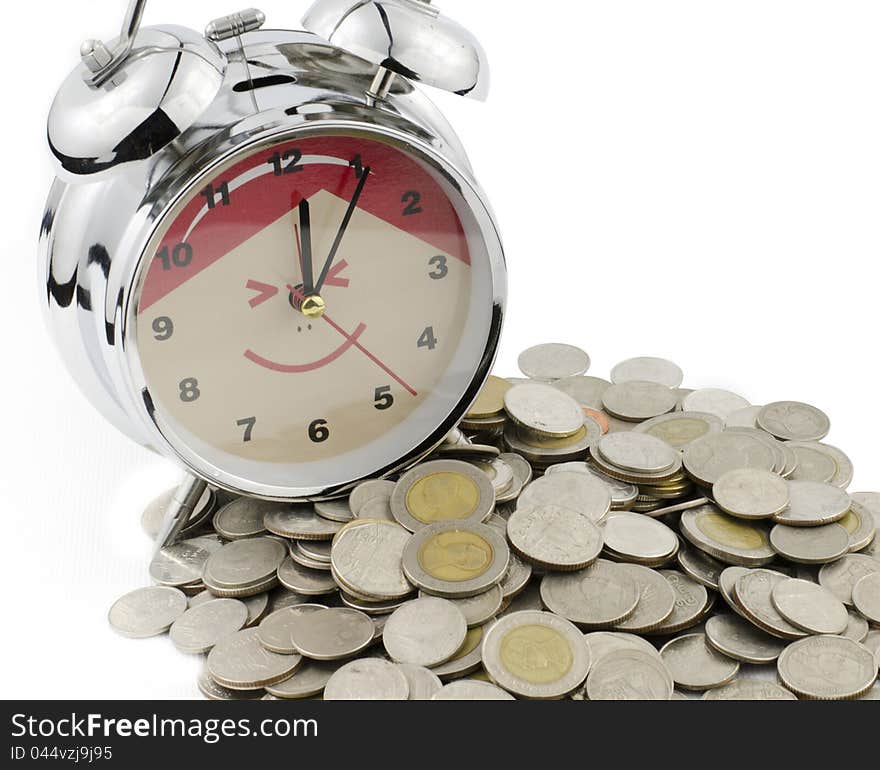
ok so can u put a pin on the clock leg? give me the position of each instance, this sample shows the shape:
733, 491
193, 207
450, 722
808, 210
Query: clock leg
179, 511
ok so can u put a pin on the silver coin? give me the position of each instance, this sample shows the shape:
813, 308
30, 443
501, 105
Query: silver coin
367, 492
585, 494
319, 550
749, 690
733, 541
243, 518
739, 639
377, 509
709, 458
213, 691
200, 628
695, 665
721, 403
727, 587
629, 675
866, 597
154, 514
602, 643
700, 566
810, 545
521, 468
468, 658
856, 628
598, 597
647, 369
691, 599
240, 662
749, 493
656, 600
305, 581
860, 526
544, 410
636, 401
519, 573
480, 608
681, 428
307, 681
425, 632
587, 391
300, 523
872, 642
367, 679
337, 511
543, 451
183, 563
536, 655
257, 606
368, 560
424, 684
274, 629
147, 612
636, 538
637, 452
303, 560
813, 463
753, 594
332, 634
622, 493
553, 362
243, 563
555, 537
373, 609
809, 607
814, 505
440, 491
781, 459
747, 417
471, 689
500, 474
827, 668
794, 421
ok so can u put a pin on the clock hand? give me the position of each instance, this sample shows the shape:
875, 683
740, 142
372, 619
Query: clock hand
304, 241
341, 234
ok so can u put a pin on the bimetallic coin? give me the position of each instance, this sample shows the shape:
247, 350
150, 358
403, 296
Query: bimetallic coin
536, 655
332, 634
629, 675
424, 632
587, 391
598, 597
827, 668
274, 629
635, 538
367, 559
367, 491
681, 428
367, 679
440, 491
300, 523
733, 541
307, 681
490, 402
794, 421
741, 640
749, 690
554, 537
424, 684
721, 403
753, 594
860, 526
647, 369
583, 493
749, 493
810, 545
147, 612
691, 599
695, 665
471, 689
454, 560
635, 401
709, 458
305, 581
809, 607
553, 362
200, 628
240, 662
814, 505
841, 576
866, 597
656, 600
544, 410
243, 518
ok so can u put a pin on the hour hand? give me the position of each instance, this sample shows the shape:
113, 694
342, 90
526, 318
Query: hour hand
305, 226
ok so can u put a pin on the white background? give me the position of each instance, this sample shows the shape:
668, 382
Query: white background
692, 179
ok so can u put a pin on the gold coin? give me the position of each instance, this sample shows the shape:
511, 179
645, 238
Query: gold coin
456, 556
443, 496
536, 654
731, 532
490, 402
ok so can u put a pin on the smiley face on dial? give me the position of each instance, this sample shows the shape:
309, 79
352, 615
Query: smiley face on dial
313, 310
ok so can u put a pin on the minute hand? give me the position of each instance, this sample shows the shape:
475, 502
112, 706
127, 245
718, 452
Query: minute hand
341, 234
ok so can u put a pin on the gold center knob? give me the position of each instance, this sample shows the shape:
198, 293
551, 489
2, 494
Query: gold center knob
313, 307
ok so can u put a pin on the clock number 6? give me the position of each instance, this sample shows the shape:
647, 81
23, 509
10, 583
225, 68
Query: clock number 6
383, 398
319, 432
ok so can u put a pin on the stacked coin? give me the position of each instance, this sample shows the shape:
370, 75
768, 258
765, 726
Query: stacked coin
574, 537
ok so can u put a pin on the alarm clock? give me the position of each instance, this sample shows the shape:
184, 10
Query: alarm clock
265, 254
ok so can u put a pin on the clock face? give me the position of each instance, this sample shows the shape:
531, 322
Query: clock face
313, 312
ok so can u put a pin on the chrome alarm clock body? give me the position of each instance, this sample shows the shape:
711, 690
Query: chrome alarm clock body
142, 126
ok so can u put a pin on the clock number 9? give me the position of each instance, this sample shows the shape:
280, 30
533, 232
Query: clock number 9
319, 432
163, 327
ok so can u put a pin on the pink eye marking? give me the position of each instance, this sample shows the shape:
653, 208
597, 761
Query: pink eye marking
333, 277
265, 292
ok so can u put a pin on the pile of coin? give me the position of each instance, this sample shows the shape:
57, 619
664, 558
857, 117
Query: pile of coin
573, 538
